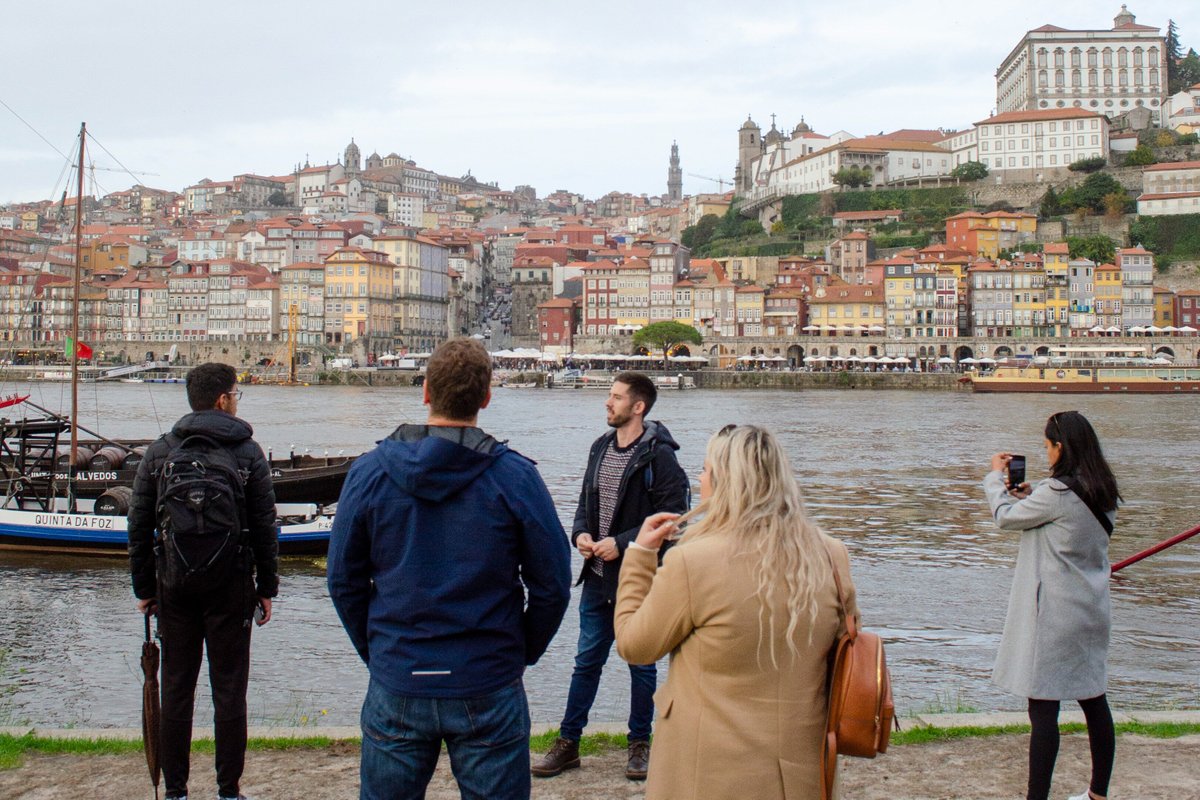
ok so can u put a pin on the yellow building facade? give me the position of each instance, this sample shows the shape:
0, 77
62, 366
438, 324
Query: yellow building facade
358, 299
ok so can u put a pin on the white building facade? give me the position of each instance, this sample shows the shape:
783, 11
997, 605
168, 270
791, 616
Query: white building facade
1106, 71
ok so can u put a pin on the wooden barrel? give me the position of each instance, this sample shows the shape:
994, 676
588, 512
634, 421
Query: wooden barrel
62, 456
114, 502
134, 458
107, 458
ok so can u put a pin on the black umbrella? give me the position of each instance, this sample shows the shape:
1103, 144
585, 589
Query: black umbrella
151, 708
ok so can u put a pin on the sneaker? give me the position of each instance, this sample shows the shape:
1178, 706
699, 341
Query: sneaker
562, 756
639, 760
1087, 795
227, 797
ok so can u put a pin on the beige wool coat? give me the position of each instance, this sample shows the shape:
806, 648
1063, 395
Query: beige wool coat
730, 725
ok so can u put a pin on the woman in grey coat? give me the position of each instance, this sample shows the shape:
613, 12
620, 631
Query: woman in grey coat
1055, 642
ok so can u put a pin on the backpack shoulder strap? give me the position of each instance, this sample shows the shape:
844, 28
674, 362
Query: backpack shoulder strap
847, 619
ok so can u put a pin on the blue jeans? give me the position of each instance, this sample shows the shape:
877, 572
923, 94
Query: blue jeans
487, 737
596, 639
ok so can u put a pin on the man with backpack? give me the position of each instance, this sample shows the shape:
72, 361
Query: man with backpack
204, 556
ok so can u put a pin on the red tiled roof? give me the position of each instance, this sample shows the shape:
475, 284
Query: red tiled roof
1040, 114
1172, 165
1169, 196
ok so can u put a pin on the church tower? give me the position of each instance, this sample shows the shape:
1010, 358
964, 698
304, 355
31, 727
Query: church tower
1124, 18
750, 147
674, 177
352, 160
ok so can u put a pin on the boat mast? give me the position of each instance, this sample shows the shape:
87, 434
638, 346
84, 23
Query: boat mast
75, 320
293, 320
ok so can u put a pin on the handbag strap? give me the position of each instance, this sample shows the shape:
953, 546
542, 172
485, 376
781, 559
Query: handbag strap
847, 619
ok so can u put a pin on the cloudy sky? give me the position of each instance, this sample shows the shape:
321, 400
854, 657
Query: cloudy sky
550, 94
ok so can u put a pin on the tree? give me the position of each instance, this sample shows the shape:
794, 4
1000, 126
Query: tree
699, 234
1089, 195
279, 198
970, 171
752, 227
1050, 206
1174, 54
1099, 249
666, 336
1141, 156
1114, 205
852, 176
1189, 70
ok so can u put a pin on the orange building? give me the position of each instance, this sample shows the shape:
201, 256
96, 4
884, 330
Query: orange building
987, 234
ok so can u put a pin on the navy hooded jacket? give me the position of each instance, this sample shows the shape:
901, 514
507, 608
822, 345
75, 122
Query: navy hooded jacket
439, 534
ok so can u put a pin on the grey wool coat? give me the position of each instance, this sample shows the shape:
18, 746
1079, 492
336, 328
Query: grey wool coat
1055, 643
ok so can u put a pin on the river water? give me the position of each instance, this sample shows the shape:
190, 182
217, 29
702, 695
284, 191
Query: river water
893, 474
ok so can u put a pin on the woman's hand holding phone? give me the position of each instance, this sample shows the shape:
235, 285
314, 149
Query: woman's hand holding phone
656, 528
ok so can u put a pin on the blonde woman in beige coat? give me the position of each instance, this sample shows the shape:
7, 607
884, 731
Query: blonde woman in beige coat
747, 607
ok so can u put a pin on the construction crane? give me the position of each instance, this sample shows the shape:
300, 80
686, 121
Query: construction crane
718, 181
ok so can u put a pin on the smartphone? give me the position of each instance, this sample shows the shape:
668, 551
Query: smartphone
1016, 471
259, 613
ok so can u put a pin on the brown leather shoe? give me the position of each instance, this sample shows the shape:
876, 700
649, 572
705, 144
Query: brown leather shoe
639, 760
563, 755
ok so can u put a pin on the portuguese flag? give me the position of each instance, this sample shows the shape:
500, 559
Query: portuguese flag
81, 349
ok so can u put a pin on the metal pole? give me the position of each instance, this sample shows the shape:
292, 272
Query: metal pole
1174, 540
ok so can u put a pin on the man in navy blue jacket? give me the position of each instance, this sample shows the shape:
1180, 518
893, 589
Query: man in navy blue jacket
451, 573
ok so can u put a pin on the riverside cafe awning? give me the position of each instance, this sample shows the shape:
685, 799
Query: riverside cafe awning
614, 359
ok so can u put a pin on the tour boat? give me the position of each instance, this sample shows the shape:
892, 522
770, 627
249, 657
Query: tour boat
1093, 369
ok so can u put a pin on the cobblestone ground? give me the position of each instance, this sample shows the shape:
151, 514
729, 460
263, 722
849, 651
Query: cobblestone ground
994, 767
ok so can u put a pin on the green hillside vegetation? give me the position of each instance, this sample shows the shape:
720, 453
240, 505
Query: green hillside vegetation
1172, 239
808, 217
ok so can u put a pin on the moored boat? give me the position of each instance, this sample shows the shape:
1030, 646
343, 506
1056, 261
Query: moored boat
1094, 369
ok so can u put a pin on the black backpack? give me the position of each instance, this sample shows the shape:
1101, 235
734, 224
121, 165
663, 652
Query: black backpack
201, 497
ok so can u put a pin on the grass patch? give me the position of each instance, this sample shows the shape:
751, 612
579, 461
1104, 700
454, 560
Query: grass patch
924, 734
589, 745
14, 748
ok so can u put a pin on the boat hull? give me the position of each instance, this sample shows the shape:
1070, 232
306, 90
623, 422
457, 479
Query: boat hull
1086, 387
93, 534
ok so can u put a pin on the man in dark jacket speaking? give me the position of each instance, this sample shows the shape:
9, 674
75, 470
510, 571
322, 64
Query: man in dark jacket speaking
631, 473
451, 573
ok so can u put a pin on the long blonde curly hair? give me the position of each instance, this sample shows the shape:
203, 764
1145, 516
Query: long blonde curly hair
755, 499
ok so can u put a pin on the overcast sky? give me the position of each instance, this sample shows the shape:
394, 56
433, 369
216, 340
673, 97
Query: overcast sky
547, 94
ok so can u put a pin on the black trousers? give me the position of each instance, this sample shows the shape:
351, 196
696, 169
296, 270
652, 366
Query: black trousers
1043, 744
218, 622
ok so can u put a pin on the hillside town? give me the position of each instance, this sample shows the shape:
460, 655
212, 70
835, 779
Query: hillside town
367, 258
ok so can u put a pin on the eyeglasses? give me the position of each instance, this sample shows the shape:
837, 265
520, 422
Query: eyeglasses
727, 430
236, 394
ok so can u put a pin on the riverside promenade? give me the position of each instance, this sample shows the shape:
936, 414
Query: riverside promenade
967, 756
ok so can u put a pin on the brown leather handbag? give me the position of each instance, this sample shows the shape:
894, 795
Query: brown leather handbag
861, 711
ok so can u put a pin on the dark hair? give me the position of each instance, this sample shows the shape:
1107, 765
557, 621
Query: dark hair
458, 377
640, 388
1082, 460
207, 382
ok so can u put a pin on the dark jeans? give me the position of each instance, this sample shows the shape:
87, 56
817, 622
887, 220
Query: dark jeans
487, 737
596, 639
219, 624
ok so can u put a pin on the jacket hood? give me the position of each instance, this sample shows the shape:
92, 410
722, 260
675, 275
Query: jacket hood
435, 462
222, 427
655, 433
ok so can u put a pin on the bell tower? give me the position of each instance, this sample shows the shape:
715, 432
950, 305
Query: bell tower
750, 147
674, 177
352, 160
